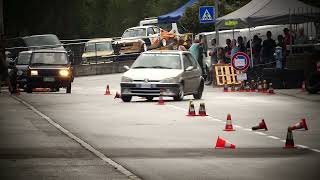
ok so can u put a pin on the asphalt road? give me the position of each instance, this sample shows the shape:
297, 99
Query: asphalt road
161, 142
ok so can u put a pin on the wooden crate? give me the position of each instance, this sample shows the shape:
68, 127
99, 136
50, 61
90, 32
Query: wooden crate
225, 74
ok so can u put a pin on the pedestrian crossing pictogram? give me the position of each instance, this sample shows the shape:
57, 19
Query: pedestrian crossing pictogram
206, 14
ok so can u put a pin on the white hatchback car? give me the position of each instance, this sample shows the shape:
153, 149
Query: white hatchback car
175, 73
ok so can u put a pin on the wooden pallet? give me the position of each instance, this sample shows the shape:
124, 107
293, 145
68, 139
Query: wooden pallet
225, 74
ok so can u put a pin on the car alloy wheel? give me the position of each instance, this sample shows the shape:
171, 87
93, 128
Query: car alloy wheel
180, 95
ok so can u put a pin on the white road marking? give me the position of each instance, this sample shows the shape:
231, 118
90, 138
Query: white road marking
81, 142
273, 137
247, 129
260, 133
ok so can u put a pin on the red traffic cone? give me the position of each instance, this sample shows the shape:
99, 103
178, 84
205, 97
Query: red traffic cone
191, 111
229, 126
221, 144
260, 86
202, 110
270, 90
225, 88
253, 86
262, 125
161, 100
118, 95
303, 86
300, 125
18, 90
107, 91
289, 139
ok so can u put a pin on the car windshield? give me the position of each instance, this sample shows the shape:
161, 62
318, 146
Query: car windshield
42, 40
99, 46
134, 33
154, 60
24, 59
49, 58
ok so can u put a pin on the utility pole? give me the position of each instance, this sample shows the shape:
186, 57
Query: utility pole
216, 12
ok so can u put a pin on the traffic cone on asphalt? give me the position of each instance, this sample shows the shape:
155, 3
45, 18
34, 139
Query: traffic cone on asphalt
222, 143
300, 125
161, 100
262, 125
265, 86
191, 111
107, 91
270, 90
260, 86
118, 95
202, 110
289, 139
253, 86
225, 88
247, 88
18, 90
229, 126
303, 86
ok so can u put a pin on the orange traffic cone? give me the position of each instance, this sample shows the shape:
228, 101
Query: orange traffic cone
300, 125
260, 86
202, 110
107, 91
303, 86
262, 125
118, 95
225, 88
191, 111
161, 100
18, 90
221, 144
229, 126
270, 90
289, 139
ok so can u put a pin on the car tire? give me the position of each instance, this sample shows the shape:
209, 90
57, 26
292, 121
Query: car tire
126, 98
198, 95
144, 47
149, 98
68, 89
180, 95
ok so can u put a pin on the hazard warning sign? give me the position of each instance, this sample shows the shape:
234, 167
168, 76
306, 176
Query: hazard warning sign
206, 14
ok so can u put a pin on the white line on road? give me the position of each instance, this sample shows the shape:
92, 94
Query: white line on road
247, 129
273, 137
81, 142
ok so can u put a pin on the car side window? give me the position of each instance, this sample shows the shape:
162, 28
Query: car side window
156, 30
150, 31
186, 61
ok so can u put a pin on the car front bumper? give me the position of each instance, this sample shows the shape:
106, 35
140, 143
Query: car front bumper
48, 82
149, 89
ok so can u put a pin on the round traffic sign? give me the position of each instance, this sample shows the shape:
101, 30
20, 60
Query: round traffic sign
240, 61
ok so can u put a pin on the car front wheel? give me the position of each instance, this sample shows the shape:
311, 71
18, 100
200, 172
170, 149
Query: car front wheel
126, 98
68, 90
180, 95
198, 95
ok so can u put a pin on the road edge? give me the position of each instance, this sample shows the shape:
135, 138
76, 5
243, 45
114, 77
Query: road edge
85, 145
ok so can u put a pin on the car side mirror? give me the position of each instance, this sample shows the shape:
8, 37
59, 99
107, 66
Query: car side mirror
190, 68
126, 67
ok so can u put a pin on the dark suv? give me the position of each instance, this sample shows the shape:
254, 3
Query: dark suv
49, 69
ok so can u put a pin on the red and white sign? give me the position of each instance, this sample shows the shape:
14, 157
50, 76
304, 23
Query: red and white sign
240, 61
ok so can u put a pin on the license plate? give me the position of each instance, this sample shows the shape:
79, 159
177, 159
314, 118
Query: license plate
145, 85
48, 79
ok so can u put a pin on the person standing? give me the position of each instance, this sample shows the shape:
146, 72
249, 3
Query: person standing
213, 60
268, 49
234, 47
227, 50
194, 49
202, 52
241, 46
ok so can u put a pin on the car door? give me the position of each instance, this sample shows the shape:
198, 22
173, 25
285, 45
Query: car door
188, 75
196, 73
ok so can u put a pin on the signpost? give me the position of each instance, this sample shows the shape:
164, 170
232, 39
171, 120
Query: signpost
240, 62
206, 14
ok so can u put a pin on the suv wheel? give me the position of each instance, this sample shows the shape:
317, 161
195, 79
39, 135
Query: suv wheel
68, 89
180, 95
198, 95
126, 98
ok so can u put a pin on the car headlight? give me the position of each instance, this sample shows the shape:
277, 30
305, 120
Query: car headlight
126, 79
20, 72
64, 73
170, 80
34, 73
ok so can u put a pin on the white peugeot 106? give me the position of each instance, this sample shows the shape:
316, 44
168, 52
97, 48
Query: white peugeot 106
174, 73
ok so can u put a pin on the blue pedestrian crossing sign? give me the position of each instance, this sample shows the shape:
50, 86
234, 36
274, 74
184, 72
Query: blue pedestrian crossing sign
206, 14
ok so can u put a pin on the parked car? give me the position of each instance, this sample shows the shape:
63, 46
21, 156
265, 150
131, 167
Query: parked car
175, 73
97, 49
49, 69
18, 74
142, 38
